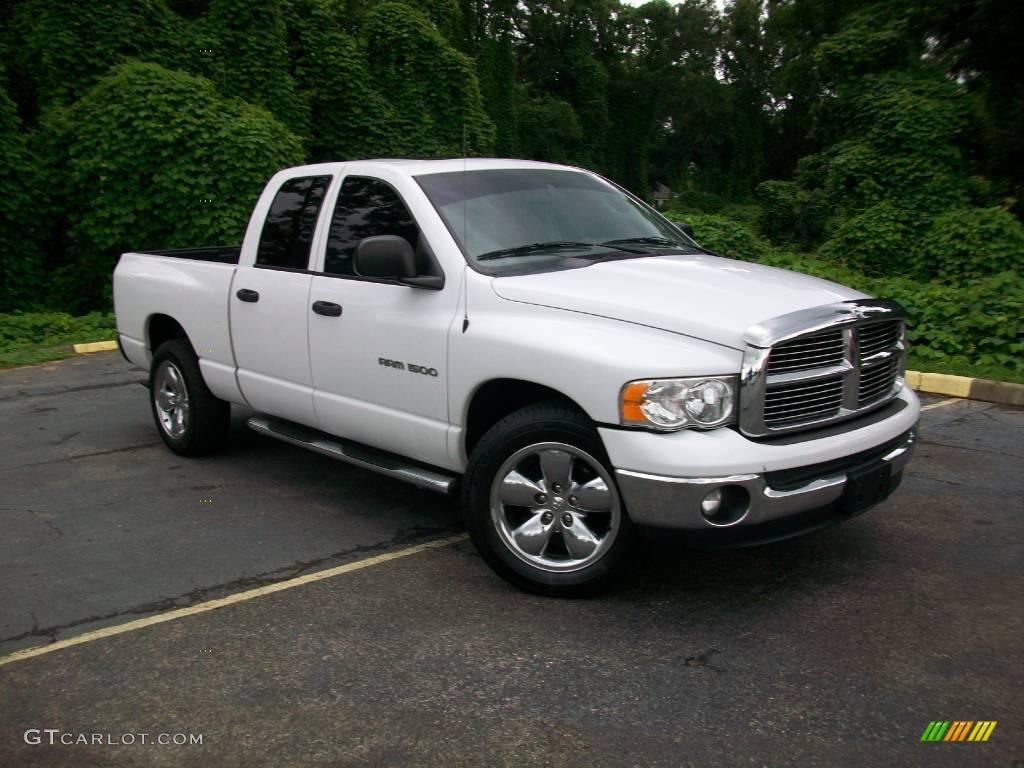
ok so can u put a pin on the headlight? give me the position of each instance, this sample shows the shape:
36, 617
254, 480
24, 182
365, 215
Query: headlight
668, 404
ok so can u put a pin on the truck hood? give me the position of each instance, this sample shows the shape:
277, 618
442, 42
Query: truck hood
705, 297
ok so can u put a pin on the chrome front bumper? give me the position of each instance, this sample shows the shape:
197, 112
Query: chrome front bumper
675, 502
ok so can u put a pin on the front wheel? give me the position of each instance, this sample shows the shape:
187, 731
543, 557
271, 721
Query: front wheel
541, 503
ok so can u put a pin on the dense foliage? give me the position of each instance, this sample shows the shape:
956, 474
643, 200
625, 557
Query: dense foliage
881, 143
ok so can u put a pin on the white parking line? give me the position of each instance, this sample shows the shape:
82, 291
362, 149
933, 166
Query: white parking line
941, 404
238, 597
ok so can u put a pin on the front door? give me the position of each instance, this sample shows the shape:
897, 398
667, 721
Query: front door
380, 368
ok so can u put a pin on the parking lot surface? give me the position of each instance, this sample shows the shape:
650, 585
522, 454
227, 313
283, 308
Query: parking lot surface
837, 648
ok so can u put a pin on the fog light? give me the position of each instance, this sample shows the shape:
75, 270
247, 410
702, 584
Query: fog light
725, 505
712, 502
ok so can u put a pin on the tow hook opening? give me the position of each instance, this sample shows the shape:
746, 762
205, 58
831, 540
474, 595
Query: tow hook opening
725, 505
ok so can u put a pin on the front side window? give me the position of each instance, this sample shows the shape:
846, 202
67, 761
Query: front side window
511, 221
366, 208
288, 231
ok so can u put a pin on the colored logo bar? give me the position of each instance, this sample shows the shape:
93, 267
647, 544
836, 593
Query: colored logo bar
958, 730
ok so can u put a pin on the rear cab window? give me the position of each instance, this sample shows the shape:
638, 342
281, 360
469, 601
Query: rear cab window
287, 234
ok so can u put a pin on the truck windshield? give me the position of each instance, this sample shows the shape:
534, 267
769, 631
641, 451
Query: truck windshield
534, 220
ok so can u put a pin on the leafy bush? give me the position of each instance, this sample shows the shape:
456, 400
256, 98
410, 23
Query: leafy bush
20, 255
981, 322
971, 242
432, 87
723, 236
697, 201
250, 57
878, 241
22, 330
153, 158
789, 214
62, 50
351, 118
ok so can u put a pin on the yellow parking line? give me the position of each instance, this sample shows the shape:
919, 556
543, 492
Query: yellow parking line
238, 597
941, 404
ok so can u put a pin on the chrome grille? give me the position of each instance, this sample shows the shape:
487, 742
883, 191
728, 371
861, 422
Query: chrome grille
815, 351
821, 365
802, 401
878, 337
876, 382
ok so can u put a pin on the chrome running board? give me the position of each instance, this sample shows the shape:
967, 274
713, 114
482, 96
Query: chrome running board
352, 453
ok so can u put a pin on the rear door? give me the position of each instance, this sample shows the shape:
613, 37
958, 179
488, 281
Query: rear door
270, 304
380, 368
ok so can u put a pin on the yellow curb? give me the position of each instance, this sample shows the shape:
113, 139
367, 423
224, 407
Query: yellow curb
1002, 392
945, 384
94, 346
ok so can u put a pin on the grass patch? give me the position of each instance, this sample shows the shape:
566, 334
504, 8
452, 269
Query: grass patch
27, 338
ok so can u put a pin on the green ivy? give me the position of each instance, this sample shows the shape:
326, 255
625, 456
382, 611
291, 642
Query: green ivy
437, 109
21, 266
724, 236
967, 243
878, 241
790, 215
151, 158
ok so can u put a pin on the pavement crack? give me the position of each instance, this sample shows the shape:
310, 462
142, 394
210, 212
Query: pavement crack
40, 516
404, 537
918, 476
64, 438
82, 388
76, 457
926, 441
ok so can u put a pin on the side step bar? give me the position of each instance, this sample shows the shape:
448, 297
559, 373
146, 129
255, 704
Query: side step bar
353, 453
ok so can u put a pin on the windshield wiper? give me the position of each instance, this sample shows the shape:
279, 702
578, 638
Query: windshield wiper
553, 245
647, 241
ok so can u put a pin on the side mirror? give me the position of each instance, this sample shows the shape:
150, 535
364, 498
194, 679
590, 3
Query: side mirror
385, 256
687, 229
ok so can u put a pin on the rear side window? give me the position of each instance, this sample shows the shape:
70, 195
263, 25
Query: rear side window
288, 231
365, 208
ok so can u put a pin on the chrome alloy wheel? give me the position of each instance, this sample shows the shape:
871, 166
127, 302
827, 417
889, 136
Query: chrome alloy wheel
555, 507
171, 398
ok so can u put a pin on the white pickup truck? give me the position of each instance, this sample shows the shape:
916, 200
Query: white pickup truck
542, 341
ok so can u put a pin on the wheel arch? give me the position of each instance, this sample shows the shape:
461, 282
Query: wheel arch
161, 328
495, 399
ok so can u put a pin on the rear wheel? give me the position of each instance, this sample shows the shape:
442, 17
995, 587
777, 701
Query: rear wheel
190, 419
541, 502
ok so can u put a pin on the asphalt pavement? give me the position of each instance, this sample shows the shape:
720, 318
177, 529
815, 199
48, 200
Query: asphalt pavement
837, 648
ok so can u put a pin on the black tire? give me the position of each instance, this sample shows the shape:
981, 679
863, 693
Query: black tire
209, 417
540, 424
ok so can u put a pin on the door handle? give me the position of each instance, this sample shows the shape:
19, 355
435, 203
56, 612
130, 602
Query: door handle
247, 295
327, 308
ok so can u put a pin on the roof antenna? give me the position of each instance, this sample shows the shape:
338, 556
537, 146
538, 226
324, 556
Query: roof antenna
465, 230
